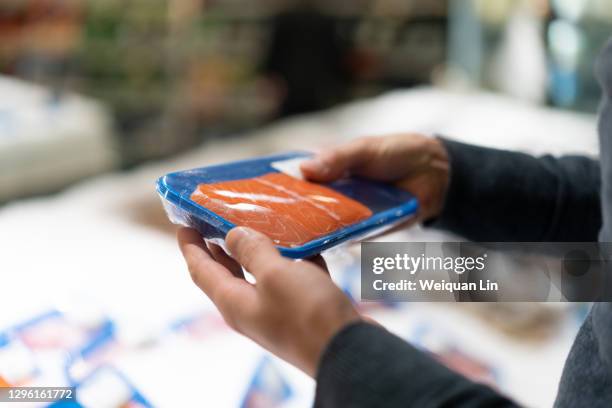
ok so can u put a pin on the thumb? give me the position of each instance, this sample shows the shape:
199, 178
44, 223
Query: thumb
322, 167
335, 163
254, 251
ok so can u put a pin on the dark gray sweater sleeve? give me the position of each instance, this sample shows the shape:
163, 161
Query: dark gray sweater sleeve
366, 366
496, 195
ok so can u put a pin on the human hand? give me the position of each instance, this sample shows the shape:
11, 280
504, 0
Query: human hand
414, 162
293, 310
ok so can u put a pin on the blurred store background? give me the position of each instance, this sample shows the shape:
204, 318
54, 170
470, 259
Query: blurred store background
165, 75
98, 98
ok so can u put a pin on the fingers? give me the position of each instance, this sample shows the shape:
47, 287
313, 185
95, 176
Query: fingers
226, 291
224, 259
254, 251
332, 164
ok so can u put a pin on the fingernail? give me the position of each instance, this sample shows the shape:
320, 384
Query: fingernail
241, 232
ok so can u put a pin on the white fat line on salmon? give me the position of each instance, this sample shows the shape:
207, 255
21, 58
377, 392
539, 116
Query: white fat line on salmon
247, 207
299, 197
254, 197
322, 198
237, 206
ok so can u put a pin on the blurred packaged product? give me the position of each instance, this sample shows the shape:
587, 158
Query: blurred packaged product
499, 45
268, 387
50, 139
576, 33
107, 387
538, 50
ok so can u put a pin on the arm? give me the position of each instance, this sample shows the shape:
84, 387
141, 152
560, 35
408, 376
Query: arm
496, 195
483, 194
366, 366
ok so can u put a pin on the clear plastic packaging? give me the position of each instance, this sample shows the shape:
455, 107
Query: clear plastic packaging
387, 204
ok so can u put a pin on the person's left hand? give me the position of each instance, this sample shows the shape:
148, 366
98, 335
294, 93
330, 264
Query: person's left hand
293, 310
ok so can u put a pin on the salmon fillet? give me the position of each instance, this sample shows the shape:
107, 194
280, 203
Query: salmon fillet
288, 210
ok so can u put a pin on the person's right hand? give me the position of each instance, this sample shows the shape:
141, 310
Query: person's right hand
414, 162
294, 309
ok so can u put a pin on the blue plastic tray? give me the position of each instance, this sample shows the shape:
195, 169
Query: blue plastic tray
389, 205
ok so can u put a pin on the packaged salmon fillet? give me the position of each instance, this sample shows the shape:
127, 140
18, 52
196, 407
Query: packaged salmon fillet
268, 194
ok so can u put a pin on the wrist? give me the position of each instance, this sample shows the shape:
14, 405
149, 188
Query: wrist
328, 329
432, 195
441, 166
